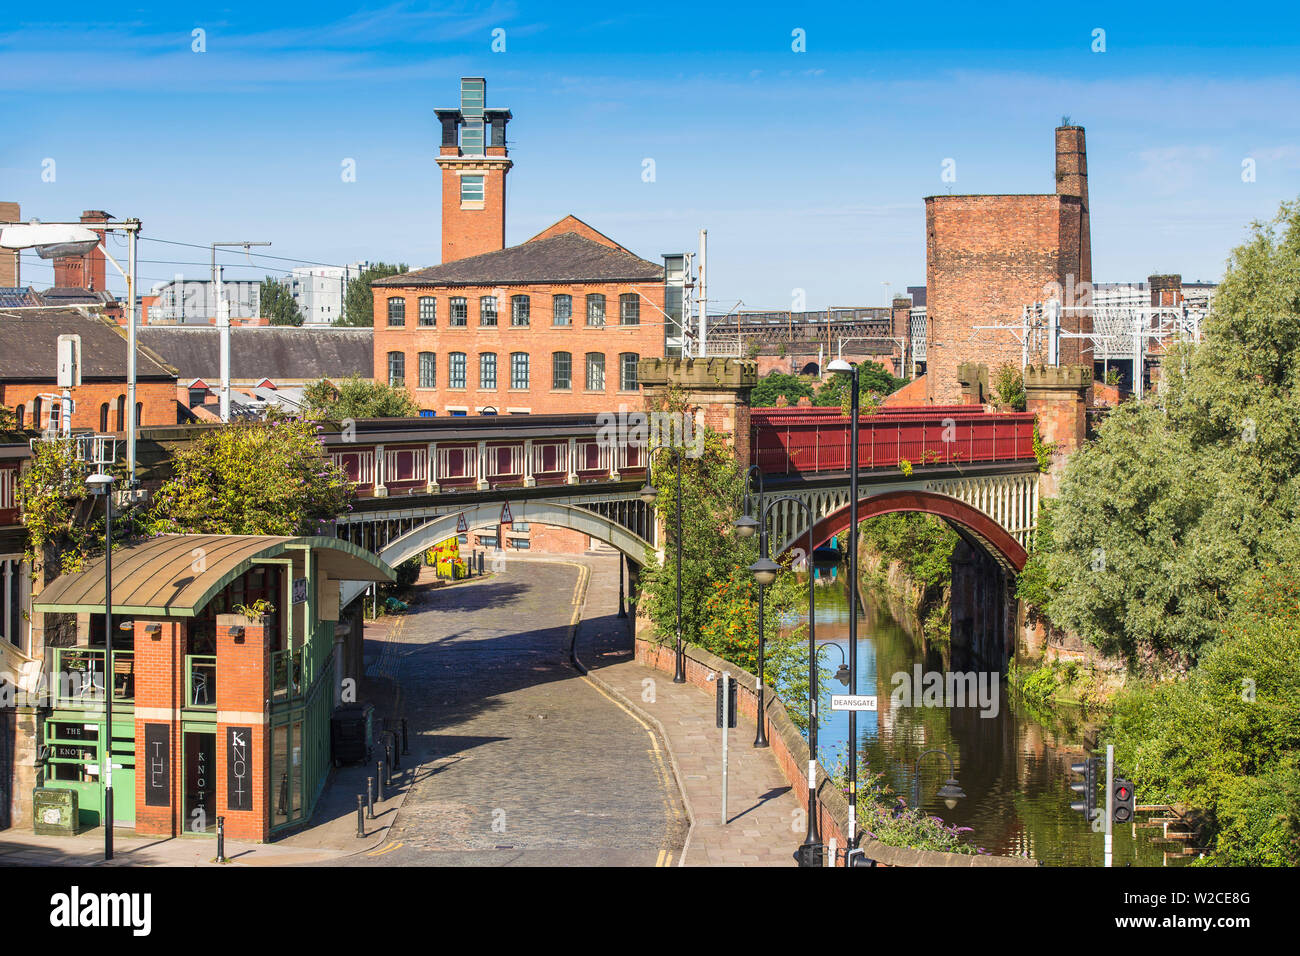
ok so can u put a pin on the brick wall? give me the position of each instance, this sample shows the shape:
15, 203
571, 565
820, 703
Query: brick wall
540, 340
159, 694
243, 692
157, 398
473, 229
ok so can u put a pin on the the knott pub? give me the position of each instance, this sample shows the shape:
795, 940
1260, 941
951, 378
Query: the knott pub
225, 670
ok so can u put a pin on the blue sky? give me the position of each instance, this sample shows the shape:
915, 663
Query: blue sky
807, 168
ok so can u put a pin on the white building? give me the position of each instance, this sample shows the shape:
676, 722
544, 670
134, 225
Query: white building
319, 291
193, 301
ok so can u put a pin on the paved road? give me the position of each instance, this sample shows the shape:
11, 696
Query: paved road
521, 760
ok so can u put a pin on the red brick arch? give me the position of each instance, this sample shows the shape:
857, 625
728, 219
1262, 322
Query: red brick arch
996, 539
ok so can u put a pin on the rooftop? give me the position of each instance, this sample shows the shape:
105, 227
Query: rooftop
29, 342
278, 352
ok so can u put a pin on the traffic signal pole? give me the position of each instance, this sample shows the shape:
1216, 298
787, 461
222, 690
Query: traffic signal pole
1110, 798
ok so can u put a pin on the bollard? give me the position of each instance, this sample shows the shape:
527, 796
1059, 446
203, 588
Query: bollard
370, 797
361, 819
379, 784
405, 749
221, 839
388, 762
397, 754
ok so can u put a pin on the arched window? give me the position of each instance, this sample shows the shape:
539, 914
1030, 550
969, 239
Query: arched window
139, 414
396, 311
428, 370
21, 411
397, 369
428, 310
627, 381
596, 310
518, 369
519, 308
561, 370
629, 309
38, 406
103, 417
595, 371
121, 413
487, 370
456, 370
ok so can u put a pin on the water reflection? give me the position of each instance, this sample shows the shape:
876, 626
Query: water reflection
1014, 769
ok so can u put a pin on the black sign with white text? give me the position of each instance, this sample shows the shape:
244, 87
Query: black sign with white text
239, 768
157, 765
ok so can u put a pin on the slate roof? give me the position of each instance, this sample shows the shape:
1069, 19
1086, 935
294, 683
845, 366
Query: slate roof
29, 342
567, 257
280, 353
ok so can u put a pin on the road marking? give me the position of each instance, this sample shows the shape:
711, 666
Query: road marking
388, 849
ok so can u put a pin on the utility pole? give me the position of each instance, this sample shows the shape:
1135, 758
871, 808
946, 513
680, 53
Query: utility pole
703, 297
223, 323
1110, 799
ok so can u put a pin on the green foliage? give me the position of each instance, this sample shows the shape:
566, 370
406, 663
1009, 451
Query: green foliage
1224, 740
257, 478
922, 543
884, 817
278, 304
408, 572
774, 384
874, 383
1039, 686
1043, 451
1185, 495
258, 609
1008, 387
63, 527
356, 397
359, 301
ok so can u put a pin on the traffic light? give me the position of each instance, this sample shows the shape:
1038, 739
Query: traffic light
858, 857
1087, 786
1122, 808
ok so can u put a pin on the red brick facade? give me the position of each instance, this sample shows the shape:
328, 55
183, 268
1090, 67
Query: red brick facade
93, 401
988, 256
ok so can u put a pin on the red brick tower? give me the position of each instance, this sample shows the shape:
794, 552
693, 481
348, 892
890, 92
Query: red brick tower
474, 164
84, 272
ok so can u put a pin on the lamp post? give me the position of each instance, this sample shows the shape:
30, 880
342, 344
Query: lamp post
841, 675
949, 793
52, 240
102, 484
841, 367
745, 527
648, 494
223, 323
765, 571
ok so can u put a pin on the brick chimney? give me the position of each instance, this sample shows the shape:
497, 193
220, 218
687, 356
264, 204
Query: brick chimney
1072, 180
10, 272
1165, 290
84, 272
474, 161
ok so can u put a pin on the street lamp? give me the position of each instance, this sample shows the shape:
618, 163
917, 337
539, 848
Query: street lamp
765, 571
649, 494
841, 675
841, 367
102, 484
745, 527
54, 239
223, 323
949, 793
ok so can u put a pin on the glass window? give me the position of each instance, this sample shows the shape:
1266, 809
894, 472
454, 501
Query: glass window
428, 310
396, 312
561, 370
562, 309
428, 370
519, 310
627, 371
487, 311
487, 370
458, 311
456, 370
471, 187
629, 309
396, 368
596, 371
596, 310
518, 369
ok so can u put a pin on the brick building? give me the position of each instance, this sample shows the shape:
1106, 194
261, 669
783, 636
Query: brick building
29, 372
988, 256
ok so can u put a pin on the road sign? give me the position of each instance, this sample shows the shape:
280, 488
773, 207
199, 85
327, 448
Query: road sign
726, 709
461, 526
852, 702
506, 517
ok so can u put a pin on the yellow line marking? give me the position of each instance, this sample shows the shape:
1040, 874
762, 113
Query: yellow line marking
388, 849
659, 860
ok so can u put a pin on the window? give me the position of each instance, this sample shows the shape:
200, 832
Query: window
629, 309
562, 370
103, 410
596, 371
458, 311
518, 369
519, 310
487, 311
520, 544
121, 413
471, 187
520, 526
359, 466
11, 602
406, 464
456, 370
139, 413
428, 310
596, 310
396, 369
428, 370
487, 541
487, 370
396, 312
562, 310
627, 371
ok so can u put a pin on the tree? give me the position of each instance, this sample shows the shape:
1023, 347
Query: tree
774, 384
359, 301
1185, 495
256, 478
278, 304
874, 383
356, 397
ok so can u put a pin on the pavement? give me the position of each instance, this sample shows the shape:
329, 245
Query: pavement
516, 756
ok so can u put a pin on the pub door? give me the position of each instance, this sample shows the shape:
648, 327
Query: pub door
200, 796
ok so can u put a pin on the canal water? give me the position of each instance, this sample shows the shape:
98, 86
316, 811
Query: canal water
1013, 767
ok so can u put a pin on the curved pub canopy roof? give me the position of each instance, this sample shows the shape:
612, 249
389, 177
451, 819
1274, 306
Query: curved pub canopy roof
176, 575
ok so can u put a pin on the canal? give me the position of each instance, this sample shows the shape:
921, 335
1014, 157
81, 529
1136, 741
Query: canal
1013, 767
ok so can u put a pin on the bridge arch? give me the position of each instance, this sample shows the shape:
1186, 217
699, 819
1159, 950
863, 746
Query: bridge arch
555, 513
995, 539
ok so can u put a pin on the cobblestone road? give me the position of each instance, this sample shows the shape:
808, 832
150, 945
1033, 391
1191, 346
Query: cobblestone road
518, 759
